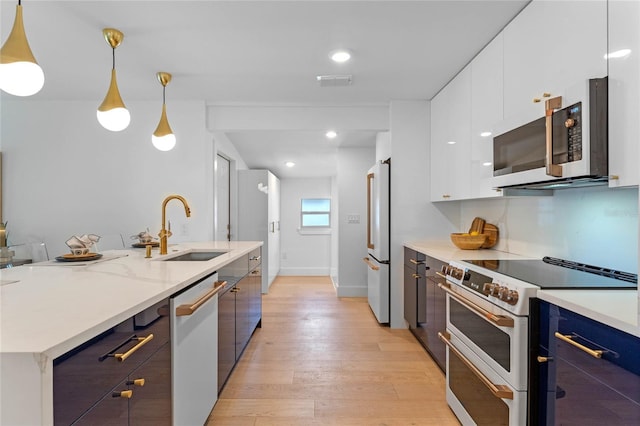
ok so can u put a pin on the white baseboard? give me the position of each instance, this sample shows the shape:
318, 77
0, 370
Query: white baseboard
304, 271
351, 291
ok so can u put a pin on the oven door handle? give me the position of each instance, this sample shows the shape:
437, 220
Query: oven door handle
500, 320
499, 391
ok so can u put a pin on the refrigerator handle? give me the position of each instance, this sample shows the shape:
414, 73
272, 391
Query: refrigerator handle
369, 187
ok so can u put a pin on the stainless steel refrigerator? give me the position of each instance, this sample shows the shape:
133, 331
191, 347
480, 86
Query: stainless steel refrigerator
378, 265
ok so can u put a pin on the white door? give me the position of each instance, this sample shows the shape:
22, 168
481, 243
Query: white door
223, 201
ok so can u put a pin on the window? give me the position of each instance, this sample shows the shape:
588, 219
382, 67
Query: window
315, 213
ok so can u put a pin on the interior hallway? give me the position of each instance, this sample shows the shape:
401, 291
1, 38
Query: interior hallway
323, 360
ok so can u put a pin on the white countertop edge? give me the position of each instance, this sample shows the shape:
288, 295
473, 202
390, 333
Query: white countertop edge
236, 250
446, 251
616, 308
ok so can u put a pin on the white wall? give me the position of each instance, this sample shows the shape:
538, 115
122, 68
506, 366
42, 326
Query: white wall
353, 164
598, 226
303, 253
63, 174
412, 216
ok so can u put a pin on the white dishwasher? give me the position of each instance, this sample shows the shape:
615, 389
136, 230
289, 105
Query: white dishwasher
194, 352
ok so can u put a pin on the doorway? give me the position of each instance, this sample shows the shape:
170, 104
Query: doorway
223, 199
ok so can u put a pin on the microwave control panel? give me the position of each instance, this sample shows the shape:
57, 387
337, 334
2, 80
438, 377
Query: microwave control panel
568, 121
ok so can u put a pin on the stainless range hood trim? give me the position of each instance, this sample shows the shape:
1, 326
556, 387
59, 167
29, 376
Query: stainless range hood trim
546, 188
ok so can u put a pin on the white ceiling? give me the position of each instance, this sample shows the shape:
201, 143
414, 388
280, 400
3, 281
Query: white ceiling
260, 52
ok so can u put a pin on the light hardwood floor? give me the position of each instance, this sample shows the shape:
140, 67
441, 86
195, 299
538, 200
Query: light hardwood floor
323, 360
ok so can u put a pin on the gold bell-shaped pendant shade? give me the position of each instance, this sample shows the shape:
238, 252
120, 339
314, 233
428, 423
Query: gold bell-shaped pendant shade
163, 137
112, 114
20, 74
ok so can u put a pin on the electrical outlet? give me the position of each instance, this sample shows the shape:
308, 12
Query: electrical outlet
353, 218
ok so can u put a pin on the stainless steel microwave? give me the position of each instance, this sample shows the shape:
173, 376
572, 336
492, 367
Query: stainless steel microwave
566, 147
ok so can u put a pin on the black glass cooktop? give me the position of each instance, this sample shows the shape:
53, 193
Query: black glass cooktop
552, 273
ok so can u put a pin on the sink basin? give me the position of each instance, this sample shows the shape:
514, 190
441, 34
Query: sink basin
195, 256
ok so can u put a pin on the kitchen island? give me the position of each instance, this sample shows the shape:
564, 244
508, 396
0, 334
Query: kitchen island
50, 308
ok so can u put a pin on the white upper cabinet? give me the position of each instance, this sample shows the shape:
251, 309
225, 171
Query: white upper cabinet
451, 140
486, 111
624, 92
549, 47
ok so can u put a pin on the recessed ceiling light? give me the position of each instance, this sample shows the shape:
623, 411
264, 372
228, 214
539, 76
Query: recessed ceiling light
485, 134
340, 56
451, 142
289, 164
331, 134
618, 54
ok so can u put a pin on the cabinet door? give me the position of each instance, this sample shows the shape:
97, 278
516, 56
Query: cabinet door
624, 92
450, 140
255, 298
150, 403
486, 112
549, 47
111, 410
226, 336
242, 314
410, 297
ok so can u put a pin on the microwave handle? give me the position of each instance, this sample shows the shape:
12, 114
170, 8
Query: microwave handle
550, 106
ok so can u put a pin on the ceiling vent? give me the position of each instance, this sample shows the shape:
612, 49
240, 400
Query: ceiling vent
334, 80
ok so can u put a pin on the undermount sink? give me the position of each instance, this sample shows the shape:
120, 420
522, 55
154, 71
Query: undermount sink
195, 256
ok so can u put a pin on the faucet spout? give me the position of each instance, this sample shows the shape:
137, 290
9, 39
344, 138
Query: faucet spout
164, 233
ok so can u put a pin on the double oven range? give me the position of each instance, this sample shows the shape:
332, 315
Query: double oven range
489, 326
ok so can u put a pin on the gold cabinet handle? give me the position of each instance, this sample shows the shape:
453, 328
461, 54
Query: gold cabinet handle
416, 262
136, 382
441, 275
371, 265
596, 353
184, 310
416, 276
123, 394
141, 342
551, 105
543, 359
499, 391
499, 320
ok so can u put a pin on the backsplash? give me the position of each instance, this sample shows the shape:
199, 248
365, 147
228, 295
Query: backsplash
598, 226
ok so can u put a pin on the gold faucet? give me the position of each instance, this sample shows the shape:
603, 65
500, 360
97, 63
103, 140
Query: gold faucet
164, 233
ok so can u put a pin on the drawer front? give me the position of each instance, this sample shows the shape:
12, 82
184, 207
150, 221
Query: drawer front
255, 258
434, 265
85, 374
414, 259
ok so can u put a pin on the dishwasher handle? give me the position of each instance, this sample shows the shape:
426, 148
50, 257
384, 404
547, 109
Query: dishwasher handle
189, 309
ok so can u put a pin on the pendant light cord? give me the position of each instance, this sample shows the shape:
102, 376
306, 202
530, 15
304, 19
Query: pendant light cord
163, 91
113, 58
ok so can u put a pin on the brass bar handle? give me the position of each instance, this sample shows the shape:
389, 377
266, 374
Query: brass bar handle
499, 320
499, 391
371, 265
255, 258
123, 394
136, 382
141, 342
369, 180
416, 276
185, 310
416, 262
550, 105
596, 353
441, 275
542, 359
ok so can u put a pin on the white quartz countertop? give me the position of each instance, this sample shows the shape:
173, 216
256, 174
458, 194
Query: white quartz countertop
445, 251
616, 308
50, 308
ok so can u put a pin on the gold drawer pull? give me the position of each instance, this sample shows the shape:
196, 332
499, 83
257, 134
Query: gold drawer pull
123, 394
416, 262
499, 391
596, 353
136, 382
416, 276
184, 310
141, 342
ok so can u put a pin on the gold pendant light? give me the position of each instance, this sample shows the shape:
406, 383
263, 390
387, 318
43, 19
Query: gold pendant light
112, 114
20, 74
163, 137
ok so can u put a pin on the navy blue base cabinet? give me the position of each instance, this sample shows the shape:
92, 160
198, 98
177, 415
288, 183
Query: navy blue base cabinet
582, 372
